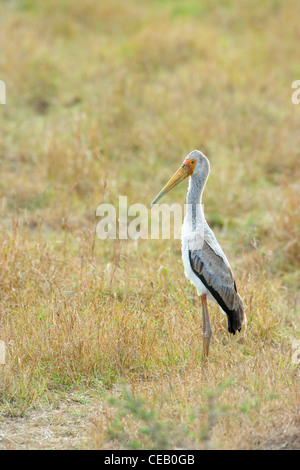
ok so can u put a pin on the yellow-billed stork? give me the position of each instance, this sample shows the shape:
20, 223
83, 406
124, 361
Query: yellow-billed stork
205, 263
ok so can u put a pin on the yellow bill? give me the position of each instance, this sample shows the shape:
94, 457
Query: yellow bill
183, 172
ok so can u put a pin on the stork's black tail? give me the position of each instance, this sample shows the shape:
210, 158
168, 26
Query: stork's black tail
235, 316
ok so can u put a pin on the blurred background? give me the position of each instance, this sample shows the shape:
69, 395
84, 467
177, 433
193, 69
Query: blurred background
105, 99
114, 94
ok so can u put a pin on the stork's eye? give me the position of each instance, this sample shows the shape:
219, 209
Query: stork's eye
192, 162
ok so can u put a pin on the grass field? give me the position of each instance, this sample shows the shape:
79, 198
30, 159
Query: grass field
103, 338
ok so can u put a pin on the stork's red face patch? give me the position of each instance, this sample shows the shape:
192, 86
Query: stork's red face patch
190, 163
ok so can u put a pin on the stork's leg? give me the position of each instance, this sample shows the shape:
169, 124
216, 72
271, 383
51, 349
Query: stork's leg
207, 334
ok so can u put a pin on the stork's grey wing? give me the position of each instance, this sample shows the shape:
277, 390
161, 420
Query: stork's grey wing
217, 277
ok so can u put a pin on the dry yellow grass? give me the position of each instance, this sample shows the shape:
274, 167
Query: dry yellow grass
103, 99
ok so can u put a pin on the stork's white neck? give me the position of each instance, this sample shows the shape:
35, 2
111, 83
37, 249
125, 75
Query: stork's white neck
194, 224
194, 212
195, 189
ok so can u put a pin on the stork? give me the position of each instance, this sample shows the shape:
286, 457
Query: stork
205, 263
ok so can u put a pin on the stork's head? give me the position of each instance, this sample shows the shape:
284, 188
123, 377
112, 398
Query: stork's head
195, 164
